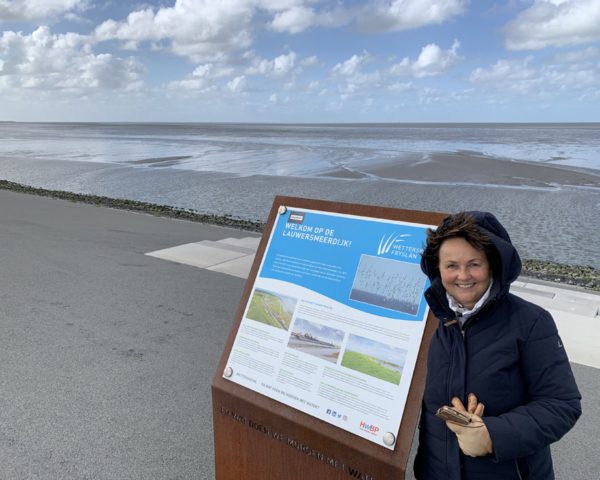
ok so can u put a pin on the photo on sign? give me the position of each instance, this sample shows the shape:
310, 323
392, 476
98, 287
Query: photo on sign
388, 283
271, 309
375, 359
316, 340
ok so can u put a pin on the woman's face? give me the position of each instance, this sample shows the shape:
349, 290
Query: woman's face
465, 271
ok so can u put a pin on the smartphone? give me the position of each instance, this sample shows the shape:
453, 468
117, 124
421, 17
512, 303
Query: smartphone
453, 415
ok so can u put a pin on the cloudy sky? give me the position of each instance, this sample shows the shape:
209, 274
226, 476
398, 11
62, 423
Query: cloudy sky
300, 60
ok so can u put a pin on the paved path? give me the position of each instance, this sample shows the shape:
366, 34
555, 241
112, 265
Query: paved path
108, 353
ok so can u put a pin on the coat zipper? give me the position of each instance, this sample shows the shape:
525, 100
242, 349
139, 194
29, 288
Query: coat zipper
463, 330
450, 324
518, 469
453, 323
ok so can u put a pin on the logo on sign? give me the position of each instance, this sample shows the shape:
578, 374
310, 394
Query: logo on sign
372, 429
387, 242
296, 217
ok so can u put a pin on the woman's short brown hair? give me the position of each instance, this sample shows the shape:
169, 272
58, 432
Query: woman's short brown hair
460, 225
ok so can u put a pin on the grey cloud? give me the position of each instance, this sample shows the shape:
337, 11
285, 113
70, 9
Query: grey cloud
29, 10
398, 15
554, 23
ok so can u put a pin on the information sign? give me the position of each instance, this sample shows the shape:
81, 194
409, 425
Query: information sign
335, 319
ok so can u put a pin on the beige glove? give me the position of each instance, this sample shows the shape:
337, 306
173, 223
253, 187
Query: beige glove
473, 439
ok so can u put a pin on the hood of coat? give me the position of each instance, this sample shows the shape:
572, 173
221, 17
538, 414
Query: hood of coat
510, 262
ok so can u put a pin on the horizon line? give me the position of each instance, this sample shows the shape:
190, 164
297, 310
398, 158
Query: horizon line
135, 122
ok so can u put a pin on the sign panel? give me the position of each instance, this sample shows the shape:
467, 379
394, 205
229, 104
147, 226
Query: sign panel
335, 319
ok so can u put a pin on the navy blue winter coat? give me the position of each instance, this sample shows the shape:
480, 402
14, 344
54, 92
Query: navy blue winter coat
510, 356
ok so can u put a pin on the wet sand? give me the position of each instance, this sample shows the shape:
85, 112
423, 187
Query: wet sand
160, 161
473, 168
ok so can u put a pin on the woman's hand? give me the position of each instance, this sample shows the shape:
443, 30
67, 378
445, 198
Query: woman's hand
473, 406
473, 439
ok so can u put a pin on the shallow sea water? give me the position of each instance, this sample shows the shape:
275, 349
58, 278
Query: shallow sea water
559, 225
301, 150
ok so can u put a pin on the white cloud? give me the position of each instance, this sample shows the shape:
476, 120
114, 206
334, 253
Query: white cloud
280, 66
42, 60
280, 5
590, 54
130, 45
107, 72
593, 95
554, 23
312, 86
237, 85
284, 64
524, 76
353, 77
309, 61
210, 29
203, 79
515, 75
430, 96
294, 20
432, 61
190, 85
398, 15
211, 70
28, 10
299, 15
400, 87
199, 29
351, 66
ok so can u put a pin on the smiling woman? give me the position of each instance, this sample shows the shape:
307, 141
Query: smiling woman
493, 352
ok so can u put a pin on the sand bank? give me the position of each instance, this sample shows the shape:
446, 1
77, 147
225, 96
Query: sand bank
473, 168
160, 161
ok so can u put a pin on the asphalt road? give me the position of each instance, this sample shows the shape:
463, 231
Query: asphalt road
108, 355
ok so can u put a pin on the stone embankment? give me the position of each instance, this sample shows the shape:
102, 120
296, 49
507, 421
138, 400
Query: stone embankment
577, 275
134, 205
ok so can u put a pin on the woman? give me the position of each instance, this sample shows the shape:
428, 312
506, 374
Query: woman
499, 355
